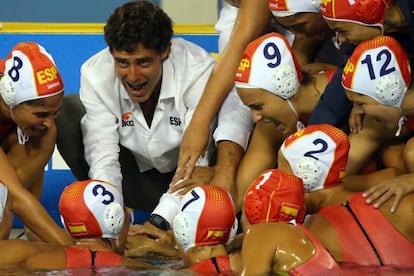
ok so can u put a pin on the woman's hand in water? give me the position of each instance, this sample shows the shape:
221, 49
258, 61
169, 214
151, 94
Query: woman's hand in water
145, 239
94, 244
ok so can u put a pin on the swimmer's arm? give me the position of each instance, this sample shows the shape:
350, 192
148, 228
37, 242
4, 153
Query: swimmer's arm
235, 244
221, 82
30, 160
362, 182
258, 250
306, 50
363, 146
264, 144
144, 239
28, 208
391, 189
275, 247
142, 245
151, 231
16, 252
229, 155
222, 78
317, 67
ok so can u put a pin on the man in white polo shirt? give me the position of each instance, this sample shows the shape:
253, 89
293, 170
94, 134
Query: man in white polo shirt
139, 95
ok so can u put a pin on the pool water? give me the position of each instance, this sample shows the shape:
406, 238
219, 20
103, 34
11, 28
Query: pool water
171, 267
86, 272
163, 266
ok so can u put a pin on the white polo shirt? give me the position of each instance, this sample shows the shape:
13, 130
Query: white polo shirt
112, 118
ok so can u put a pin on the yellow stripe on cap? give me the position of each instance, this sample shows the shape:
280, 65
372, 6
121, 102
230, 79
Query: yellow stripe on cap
270, 203
77, 229
289, 210
215, 233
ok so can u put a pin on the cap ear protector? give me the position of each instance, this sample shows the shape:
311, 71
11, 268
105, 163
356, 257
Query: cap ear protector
7, 90
390, 89
311, 172
285, 81
114, 218
184, 232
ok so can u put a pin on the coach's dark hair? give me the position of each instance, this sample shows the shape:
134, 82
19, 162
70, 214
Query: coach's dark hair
138, 22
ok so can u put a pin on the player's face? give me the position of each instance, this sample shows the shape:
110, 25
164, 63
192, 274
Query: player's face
306, 24
35, 117
140, 72
353, 32
366, 105
269, 108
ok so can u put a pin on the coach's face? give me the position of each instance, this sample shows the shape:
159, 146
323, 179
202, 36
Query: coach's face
140, 71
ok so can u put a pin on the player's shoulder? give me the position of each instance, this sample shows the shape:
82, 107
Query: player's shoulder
99, 67
103, 57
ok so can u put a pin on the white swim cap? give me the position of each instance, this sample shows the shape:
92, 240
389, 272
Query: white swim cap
327, 145
29, 73
282, 8
207, 217
92, 209
379, 68
269, 63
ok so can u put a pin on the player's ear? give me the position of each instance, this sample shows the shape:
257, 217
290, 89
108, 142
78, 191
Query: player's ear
7, 91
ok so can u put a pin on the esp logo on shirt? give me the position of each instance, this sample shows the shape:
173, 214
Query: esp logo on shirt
175, 121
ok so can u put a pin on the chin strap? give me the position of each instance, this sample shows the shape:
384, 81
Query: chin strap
336, 42
21, 137
3, 198
401, 122
299, 124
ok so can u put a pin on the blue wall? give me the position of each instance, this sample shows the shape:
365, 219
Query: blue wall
59, 11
